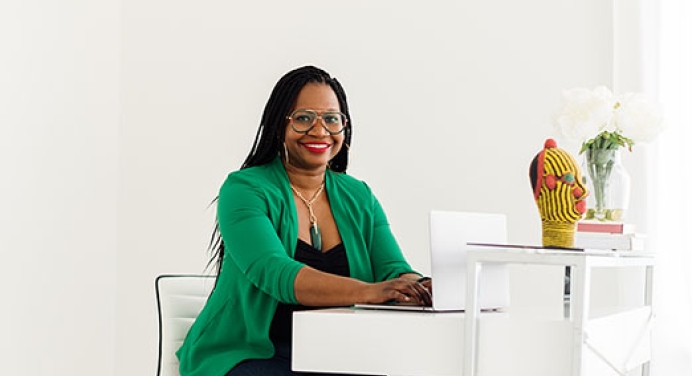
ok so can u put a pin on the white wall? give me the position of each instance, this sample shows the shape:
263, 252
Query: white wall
59, 88
106, 148
450, 102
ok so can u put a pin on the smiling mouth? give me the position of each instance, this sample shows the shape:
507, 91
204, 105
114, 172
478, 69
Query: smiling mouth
316, 148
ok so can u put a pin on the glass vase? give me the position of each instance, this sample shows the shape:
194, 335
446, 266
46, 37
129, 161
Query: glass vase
608, 183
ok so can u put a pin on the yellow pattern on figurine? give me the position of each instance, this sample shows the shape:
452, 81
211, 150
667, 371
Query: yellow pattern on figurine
560, 194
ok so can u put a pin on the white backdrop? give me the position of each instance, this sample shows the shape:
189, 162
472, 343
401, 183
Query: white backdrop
672, 78
59, 116
450, 102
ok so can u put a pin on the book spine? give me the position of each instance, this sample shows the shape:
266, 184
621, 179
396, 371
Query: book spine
625, 242
611, 228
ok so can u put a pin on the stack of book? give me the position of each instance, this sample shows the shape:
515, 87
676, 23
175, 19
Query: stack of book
608, 235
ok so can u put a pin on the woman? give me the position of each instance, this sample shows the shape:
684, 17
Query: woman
295, 232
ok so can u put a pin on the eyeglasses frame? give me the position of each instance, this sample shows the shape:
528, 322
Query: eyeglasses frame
318, 117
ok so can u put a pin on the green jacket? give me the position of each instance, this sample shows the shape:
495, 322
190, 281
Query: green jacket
259, 226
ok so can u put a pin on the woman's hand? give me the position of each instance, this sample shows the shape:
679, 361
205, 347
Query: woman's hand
402, 289
427, 283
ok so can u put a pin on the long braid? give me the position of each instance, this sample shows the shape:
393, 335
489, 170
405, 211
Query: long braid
270, 133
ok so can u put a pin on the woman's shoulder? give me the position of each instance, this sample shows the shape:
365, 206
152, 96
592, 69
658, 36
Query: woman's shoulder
260, 177
255, 172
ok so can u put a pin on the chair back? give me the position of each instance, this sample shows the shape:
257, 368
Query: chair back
179, 299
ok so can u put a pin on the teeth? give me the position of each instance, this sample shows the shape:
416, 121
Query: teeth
317, 146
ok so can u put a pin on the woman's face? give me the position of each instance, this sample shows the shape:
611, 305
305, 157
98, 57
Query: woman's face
317, 147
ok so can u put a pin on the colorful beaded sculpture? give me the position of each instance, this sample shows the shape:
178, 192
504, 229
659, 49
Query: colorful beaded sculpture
559, 192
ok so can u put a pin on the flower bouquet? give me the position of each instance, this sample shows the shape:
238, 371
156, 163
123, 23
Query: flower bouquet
603, 123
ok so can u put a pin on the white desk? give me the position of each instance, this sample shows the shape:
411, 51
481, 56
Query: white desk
423, 344
365, 342
378, 342
635, 349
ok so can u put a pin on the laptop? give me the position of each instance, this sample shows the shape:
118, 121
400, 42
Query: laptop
449, 233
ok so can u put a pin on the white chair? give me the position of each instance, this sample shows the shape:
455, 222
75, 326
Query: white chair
179, 298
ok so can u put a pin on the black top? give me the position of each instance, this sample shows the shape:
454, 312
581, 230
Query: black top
332, 261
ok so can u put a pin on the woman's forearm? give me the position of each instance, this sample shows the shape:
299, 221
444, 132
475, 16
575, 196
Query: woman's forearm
315, 288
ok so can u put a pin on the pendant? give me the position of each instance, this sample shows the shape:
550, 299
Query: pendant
316, 237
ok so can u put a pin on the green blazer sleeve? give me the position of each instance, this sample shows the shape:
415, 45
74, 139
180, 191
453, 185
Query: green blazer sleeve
251, 223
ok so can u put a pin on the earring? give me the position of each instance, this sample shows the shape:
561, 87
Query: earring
286, 153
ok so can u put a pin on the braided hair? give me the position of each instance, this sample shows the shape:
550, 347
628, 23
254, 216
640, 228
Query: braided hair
270, 134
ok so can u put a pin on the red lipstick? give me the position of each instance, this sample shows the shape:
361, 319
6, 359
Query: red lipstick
316, 147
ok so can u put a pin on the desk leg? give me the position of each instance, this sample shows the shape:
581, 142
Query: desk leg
473, 271
648, 300
579, 312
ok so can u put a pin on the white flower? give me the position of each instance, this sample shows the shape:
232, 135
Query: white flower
600, 120
584, 113
637, 118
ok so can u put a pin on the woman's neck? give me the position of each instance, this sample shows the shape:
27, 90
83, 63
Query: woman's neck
305, 180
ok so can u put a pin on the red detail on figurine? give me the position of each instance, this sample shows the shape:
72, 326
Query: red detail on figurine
577, 192
580, 206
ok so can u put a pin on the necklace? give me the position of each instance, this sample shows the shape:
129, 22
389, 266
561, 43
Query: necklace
315, 233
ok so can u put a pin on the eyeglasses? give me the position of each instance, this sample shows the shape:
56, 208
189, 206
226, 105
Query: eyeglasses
302, 121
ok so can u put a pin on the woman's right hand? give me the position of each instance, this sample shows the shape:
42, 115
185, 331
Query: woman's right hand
398, 289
